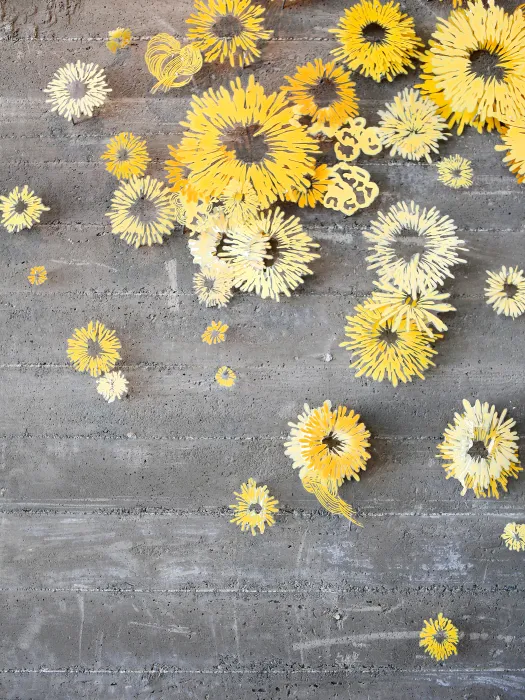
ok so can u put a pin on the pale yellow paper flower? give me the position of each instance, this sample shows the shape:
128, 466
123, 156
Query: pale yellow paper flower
215, 333
118, 39
77, 90
455, 171
93, 349
505, 291
240, 202
113, 385
21, 209
254, 508
213, 285
37, 275
514, 537
126, 156
171, 63
480, 449
514, 145
225, 376
439, 638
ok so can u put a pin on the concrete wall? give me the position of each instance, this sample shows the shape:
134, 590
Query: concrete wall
120, 575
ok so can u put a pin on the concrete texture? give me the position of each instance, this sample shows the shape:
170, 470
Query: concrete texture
120, 575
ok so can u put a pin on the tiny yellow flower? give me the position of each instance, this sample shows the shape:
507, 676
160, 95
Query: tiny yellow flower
126, 156
118, 39
505, 291
215, 333
225, 376
439, 638
37, 275
455, 171
254, 508
93, 349
21, 209
112, 385
514, 536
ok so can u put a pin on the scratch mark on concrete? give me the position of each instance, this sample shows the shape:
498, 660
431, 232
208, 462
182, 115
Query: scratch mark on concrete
175, 629
171, 269
355, 639
84, 263
81, 630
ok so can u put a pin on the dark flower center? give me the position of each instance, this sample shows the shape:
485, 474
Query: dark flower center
248, 146
123, 155
440, 636
227, 27
324, 93
486, 65
255, 508
478, 450
20, 206
407, 243
93, 348
332, 443
374, 33
273, 251
510, 289
77, 89
144, 210
388, 336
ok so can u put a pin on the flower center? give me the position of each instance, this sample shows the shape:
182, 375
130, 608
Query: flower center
388, 336
333, 444
227, 26
123, 155
510, 290
209, 285
440, 636
273, 251
374, 33
248, 146
255, 508
77, 89
93, 348
478, 450
324, 93
486, 65
408, 243
20, 207
144, 210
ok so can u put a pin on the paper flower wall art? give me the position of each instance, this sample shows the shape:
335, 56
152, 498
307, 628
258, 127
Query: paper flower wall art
328, 446
377, 40
480, 449
380, 352
355, 138
126, 155
215, 333
505, 291
413, 248
411, 126
403, 310
21, 209
314, 191
255, 508
77, 89
118, 39
324, 92
239, 201
475, 65
142, 211
455, 172
247, 136
37, 275
93, 349
514, 145
213, 286
228, 30
350, 188
514, 537
112, 385
171, 63
270, 255
225, 376
439, 638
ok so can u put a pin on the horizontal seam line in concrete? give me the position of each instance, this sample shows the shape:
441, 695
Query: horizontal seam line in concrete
385, 670
198, 438
81, 39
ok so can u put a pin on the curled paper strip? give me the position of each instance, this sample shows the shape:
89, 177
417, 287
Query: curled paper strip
355, 137
350, 189
172, 64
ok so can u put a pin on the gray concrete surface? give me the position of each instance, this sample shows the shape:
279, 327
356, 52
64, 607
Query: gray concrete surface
120, 575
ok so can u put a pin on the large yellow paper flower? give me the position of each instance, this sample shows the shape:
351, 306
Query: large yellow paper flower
514, 145
254, 508
323, 91
228, 30
213, 286
77, 90
330, 443
270, 255
514, 537
313, 193
475, 67
505, 291
21, 209
411, 126
112, 385
455, 172
480, 449
247, 136
381, 352
377, 40
439, 638
126, 156
413, 248
93, 349
143, 211
401, 309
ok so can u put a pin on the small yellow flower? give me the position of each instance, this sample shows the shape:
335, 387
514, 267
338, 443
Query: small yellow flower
215, 333
514, 536
213, 285
118, 39
112, 385
225, 376
505, 291
439, 638
93, 349
77, 90
37, 275
127, 156
455, 171
313, 191
21, 209
240, 202
254, 508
